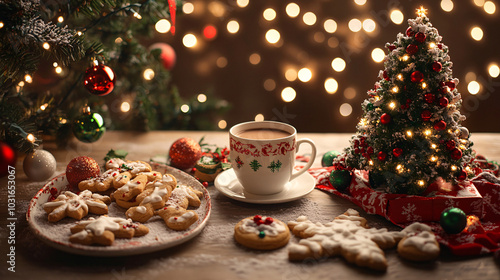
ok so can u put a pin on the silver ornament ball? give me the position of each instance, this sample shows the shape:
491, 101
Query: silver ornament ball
39, 165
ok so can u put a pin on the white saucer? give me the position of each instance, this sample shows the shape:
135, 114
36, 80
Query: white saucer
228, 184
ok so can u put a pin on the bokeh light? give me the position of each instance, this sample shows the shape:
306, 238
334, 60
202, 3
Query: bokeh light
189, 40
476, 33
397, 16
378, 55
489, 7
330, 26
331, 85
338, 64
309, 18
305, 75
292, 10
447, 5
272, 36
345, 109
259, 118
355, 25
473, 87
369, 25
233, 26
269, 14
288, 94
493, 70
163, 26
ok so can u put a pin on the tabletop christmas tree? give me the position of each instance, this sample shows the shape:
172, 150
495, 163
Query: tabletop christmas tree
410, 137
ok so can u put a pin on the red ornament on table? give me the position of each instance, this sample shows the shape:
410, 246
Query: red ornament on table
385, 118
167, 55
7, 158
411, 49
437, 66
420, 37
440, 125
426, 115
417, 77
456, 154
81, 168
99, 80
443, 102
429, 98
397, 152
184, 153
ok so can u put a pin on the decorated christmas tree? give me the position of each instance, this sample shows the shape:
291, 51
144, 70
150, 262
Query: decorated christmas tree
410, 137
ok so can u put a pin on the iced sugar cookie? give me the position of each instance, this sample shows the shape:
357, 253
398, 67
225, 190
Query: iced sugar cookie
261, 233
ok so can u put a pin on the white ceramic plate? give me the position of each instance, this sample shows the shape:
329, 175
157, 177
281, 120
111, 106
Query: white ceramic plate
159, 237
227, 183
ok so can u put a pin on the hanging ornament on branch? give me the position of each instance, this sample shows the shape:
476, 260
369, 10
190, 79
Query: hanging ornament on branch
167, 55
7, 158
88, 127
99, 79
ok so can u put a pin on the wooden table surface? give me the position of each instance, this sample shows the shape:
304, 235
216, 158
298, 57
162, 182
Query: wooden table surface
213, 254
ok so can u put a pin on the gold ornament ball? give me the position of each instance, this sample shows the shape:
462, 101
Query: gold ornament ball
184, 153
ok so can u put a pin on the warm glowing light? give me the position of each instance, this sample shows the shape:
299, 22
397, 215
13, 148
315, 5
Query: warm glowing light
409, 133
432, 45
338, 64
269, 14
31, 138
447, 5
28, 78
118, 40
210, 32
405, 57
125, 107
188, 8
272, 36
288, 94
470, 76
434, 146
233, 26
331, 85
397, 16
189, 40
163, 26
476, 33
217, 8
424, 85
2, 24
494, 70
421, 183
489, 7
60, 19
185, 108
222, 124
392, 105
305, 75
242, 3
355, 25
428, 132
46, 46
291, 74
58, 69
421, 12
399, 168
400, 77
201, 98
292, 10
137, 16
479, 3
378, 55
254, 58
362, 122
21, 84
395, 89
345, 109
330, 26
44, 106
269, 84
360, 2
259, 118
369, 25
221, 62
79, 33
309, 18
349, 93
434, 158
148, 74
473, 87
453, 168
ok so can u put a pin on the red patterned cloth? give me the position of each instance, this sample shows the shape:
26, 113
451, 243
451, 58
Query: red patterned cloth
480, 199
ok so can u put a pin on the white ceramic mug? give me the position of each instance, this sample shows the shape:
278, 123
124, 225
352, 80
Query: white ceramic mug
263, 155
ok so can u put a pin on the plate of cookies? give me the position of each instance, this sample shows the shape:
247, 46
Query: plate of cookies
132, 207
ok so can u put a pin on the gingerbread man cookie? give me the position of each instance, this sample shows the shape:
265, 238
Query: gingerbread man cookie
419, 244
175, 213
104, 230
100, 183
131, 189
261, 233
75, 206
345, 236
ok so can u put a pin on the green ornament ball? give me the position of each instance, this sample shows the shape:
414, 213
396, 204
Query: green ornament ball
328, 157
370, 107
340, 180
453, 220
88, 127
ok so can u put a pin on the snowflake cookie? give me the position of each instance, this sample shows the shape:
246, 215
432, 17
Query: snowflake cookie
76, 206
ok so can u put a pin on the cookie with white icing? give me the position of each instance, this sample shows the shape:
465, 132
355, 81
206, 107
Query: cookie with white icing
100, 183
175, 213
419, 244
347, 236
131, 189
261, 233
76, 206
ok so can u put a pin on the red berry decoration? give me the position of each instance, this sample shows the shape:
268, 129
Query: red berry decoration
411, 49
257, 218
451, 85
81, 168
397, 152
99, 80
456, 154
429, 98
440, 125
7, 158
184, 153
386, 77
420, 37
269, 221
437, 66
450, 145
410, 32
443, 102
426, 115
417, 77
369, 150
381, 156
385, 118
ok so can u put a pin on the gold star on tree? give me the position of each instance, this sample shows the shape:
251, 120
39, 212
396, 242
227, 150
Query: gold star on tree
421, 12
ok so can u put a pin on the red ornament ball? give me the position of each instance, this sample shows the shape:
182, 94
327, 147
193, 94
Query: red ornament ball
386, 77
391, 47
440, 46
420, 37
462, 175
417, 77
451, 85
7, 158
440, 125
81, 168
450, 145
397, 152
167, 55
381, 156
426, 115
385, 118
410, 32
443, 102
429, 98
437, 66
456, 154
412, 49
184, 153
99, 80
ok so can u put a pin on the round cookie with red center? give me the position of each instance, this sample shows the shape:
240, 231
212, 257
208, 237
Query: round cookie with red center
261, 233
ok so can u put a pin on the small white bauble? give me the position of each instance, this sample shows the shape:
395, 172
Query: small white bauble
39, 165
464, 132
